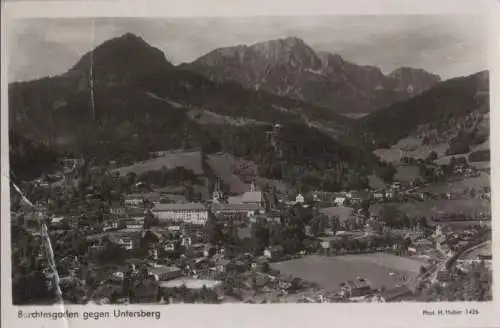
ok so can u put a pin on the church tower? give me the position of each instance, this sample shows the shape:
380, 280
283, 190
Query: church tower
217, 193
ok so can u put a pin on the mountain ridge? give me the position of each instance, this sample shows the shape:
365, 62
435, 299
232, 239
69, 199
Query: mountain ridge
124, 70
453, 99
289, 67
149, 106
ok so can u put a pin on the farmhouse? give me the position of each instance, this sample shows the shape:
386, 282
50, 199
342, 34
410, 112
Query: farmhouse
193, 213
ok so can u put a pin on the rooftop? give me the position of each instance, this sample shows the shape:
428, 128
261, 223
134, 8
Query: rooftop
252, 197
145, 195
237, 207
179, 207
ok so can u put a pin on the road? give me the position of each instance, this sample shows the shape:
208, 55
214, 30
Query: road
442, 265
468, 251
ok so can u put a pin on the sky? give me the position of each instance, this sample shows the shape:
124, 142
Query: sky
448, 45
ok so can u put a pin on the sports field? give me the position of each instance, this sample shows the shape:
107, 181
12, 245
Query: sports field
329, 272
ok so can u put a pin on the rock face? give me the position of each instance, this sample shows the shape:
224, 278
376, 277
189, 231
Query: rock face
289, 67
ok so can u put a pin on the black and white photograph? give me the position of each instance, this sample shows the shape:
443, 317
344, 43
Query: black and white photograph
254, 160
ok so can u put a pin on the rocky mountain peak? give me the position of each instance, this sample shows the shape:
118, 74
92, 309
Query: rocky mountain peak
289, 67
291, 50
329, 59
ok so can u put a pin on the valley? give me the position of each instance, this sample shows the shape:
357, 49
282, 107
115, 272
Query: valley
252, 174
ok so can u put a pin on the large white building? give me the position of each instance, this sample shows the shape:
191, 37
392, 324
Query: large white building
193, 213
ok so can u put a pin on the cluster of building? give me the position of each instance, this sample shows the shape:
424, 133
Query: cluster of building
168, 206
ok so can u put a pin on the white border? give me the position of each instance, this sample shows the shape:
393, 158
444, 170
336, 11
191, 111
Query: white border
241, 315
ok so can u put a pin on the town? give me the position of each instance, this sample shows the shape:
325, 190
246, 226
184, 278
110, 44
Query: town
161, 231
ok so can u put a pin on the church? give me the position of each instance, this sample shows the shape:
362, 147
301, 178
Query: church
246, 205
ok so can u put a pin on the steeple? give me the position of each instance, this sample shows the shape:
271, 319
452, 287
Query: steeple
217, 193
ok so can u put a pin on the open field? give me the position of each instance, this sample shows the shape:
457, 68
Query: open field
355, 115
329, 272
442, 206
188, 160
391, 155
484, 180
203, 116
410, 147
424, 150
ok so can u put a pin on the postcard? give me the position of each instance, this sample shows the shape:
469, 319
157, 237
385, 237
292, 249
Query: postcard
243, 164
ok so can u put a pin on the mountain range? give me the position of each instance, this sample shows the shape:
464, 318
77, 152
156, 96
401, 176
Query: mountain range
125, 99
125, 82
289, 67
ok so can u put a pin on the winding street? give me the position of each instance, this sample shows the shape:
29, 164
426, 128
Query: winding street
450, 260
